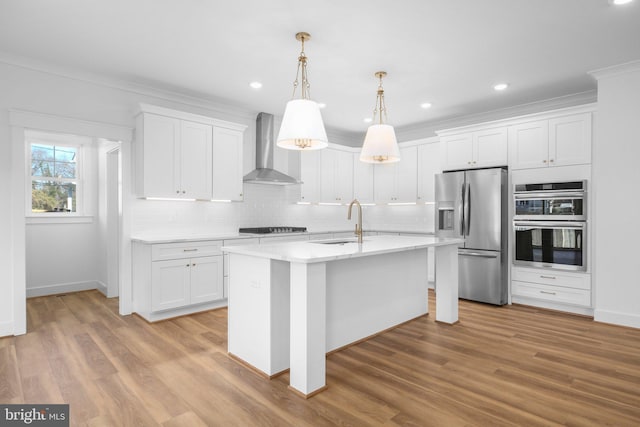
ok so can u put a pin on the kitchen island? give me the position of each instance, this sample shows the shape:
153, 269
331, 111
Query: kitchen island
291, 303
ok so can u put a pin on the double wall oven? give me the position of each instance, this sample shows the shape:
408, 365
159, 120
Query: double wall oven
550, 225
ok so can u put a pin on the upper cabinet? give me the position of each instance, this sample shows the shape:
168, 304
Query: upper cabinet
483, 148
227, 163
397, 182
560, 141
363, 180
183, 155
327, 176
173, 157
310, 176
336, 176
428, 167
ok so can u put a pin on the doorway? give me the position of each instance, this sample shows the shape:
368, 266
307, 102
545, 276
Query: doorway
113, 220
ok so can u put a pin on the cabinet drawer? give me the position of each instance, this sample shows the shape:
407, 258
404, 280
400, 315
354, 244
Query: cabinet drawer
164, 251
551, 293
568, 280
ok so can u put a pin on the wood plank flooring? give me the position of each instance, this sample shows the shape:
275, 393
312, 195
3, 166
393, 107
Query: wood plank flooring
500, 366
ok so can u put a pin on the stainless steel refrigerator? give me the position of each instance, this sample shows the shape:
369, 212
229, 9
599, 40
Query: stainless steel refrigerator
472, 204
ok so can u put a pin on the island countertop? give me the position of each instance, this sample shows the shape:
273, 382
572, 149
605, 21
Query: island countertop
330, 250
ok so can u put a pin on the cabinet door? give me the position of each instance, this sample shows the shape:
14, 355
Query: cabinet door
170, 284
428, 167
328, 160
362, 180
490, 148
227, 164
195, 160
529, 145
206, 279
310, 176
570, 140
407, 175
384, 181
160, 157
343, 176
457, 151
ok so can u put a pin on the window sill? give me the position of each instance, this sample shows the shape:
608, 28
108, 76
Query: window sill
58, 219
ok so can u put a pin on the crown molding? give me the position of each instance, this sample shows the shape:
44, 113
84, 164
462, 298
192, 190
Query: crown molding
616, 70
217, 105
427, 129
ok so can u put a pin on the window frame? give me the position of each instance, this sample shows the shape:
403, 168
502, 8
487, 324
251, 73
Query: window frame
56, 140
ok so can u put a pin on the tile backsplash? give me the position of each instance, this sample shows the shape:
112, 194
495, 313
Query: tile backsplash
270, 205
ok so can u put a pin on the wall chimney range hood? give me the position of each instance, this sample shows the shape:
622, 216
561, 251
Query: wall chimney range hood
265, 145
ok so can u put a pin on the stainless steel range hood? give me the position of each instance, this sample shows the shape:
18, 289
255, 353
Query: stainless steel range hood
265, 145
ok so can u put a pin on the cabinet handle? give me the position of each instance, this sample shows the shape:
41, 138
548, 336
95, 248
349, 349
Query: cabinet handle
183, 191
187, 265
177, 191
241, 195
544, 161
551, 161
546, 292
190, 250
547, 277
193, 265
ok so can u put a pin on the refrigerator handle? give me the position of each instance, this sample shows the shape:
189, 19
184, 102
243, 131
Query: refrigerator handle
461, 209
467, 206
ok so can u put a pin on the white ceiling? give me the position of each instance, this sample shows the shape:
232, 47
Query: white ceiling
447, 52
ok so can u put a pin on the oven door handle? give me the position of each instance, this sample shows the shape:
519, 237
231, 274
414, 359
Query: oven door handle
543, 196
549, 224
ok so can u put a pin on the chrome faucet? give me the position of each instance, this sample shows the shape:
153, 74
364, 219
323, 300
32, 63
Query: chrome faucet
358, 231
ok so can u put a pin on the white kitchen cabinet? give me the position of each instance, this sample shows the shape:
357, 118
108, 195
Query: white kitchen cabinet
173, 157
570, 140
227, 170
397, 182
363, 180
310, 176
566, 290
479, 149
181, 282
336, 176
428, 167
560, 141
174, 279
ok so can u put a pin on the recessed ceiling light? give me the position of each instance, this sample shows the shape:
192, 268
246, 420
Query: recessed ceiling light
255, 85
368, 120
321, 105
425, 105
620, 2
501, 86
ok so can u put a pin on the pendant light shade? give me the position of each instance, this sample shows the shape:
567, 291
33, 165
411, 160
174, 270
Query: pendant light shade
380, 143
302, 127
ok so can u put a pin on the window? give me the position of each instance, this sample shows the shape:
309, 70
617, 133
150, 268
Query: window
55, 176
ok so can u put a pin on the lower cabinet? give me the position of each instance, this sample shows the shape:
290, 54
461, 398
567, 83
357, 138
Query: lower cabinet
181, 282
174, 279
568, 291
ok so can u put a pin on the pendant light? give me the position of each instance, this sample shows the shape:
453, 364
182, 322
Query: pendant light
302, 127
380, 143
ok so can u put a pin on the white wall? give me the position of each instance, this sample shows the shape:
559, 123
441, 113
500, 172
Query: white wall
616, 176
6, 260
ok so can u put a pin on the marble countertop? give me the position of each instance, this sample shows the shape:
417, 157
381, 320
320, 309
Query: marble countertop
315, 251
164, 237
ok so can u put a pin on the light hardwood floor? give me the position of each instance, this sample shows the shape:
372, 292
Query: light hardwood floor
500, 366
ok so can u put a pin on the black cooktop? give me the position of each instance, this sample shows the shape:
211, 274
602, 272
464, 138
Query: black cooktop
270, 230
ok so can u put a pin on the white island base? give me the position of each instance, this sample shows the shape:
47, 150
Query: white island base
288, 309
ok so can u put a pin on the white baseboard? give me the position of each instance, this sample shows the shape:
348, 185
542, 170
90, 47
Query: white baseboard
6, 329
62, 288
101, 287
617, 318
